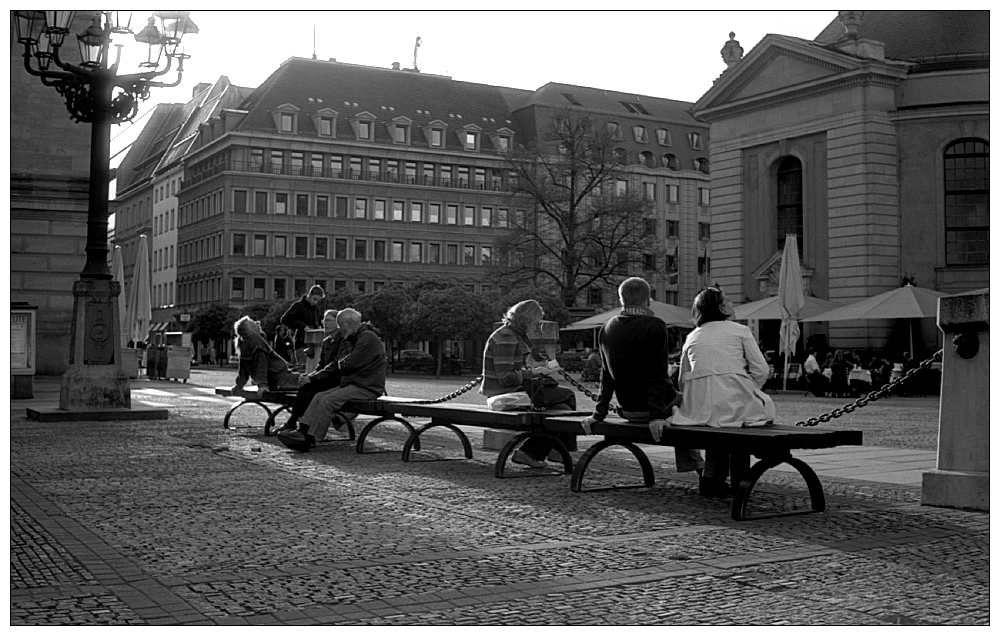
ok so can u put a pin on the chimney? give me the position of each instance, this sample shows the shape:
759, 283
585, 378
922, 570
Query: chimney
731, 51
852, 42
395, 66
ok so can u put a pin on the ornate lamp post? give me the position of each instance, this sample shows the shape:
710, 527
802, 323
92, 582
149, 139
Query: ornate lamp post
96, 94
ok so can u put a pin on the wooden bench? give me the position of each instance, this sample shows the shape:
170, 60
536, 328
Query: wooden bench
283, 400
772, 445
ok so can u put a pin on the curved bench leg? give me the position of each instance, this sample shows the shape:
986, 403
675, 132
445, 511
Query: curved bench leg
520, 438
269, 424
414, 438
742, 496
348, 420
225, 421
648, 478
360, 447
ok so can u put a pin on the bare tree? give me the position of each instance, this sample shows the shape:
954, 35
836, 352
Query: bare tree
584, 224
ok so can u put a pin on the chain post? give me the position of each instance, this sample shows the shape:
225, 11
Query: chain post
865, 400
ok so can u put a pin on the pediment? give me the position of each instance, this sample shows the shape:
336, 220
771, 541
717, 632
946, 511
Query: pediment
778, 64
768, 275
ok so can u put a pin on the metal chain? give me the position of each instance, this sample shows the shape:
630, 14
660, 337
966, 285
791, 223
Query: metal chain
874, 395
454, 394
593, 396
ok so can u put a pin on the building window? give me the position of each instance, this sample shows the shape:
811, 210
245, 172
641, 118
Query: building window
416, 253
647, 159
416, 212
694, 139
260, 202
967, 202
451, 255
451, 215
650, 227
277, 161
635, 108
341, 207
287, 122
336, 166
298, 162
486, 217
259, 284
463, 176
428, 173
302, 204
364, 130
239, 244
502, 217
321, 244
397, 210
615, 130
359, 286
281, 246
379, 211
434, 253
621, 187
705, 199
322, 206
301, 247
355, 168
281, 203
360, 249
639, 132
469, 215
279, 289
789, 199
340, 249
397, 251
437, 136
486, 256
410, 172
595, 296
469, 255
299, 287
704, 232
673, 193
701, 165
361, 208
470, 140
649, 262
326, 126
663, 136
238, 289
672, 228
379, 251
503, 144
434, 213
259, 245
649, 191
240, 201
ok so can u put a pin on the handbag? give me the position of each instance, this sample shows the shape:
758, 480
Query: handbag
509, 402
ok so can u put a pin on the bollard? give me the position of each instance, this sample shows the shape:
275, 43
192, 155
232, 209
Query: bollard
962, 476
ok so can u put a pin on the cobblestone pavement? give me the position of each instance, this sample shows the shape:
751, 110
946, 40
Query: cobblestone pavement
183, 522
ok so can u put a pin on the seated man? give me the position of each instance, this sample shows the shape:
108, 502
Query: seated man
634, 348
362, 377
325, 377
815, 380
259, 361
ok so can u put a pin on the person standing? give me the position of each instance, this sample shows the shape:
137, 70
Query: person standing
722, 372
304, 313
636, 368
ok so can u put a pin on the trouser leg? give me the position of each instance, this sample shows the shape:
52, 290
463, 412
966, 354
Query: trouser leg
320, 411
688, 459
716, 463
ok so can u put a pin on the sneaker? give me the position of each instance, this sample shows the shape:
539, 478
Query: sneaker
520, 457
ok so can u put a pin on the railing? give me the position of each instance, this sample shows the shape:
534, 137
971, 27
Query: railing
386, 176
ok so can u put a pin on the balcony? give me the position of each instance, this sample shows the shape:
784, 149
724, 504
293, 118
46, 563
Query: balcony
495, 184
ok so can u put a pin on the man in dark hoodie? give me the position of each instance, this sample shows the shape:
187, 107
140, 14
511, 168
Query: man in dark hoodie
635, 368
362, 375
304, 313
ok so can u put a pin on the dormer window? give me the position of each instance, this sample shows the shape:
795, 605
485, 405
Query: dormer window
364, 126
663, 136
670, 162
434, 133
469, 137
325, 121
695, 140
502, 139
614, 130
639, 132
399, 130
286, 119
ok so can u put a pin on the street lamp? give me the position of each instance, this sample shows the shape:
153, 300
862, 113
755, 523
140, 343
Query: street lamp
96, 94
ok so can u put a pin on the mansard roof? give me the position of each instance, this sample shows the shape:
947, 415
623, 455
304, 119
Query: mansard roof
148, 148
916, 36
612, 103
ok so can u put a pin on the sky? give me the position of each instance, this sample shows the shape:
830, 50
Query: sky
669, 54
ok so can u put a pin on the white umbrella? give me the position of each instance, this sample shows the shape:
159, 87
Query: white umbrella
140, 304
768, 309
673, 315
118, 274
791, 299
903, 302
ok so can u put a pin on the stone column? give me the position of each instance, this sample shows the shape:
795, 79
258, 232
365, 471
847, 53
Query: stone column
962, 476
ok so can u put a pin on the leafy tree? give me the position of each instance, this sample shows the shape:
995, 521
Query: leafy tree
213, 323
555, 308
272, 318
339, 299
584, 227
387, 309
426, 284
452, 313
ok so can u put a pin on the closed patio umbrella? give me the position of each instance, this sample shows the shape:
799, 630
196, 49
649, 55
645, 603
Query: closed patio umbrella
791, 299
140, 304
118, 274
907, 302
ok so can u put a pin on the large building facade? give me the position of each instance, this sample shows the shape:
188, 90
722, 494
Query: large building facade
871, 144
353, 177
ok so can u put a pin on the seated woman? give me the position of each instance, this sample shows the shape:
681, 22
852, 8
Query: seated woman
258, 361
722, 372
512, 363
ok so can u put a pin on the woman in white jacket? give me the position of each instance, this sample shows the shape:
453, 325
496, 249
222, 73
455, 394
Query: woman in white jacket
720, 379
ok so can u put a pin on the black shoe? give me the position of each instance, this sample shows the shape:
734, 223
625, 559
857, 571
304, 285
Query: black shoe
296, 441
289, 425
714, 487
304, 428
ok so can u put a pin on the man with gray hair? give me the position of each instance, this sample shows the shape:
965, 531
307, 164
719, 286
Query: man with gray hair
634, 348
362, 377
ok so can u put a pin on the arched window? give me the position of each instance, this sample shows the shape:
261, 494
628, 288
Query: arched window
967, 202
646, 159
670, 162
621, 156
789, 199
